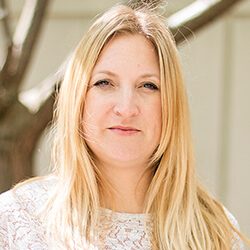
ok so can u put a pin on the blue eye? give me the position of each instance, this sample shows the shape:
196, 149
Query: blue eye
150, 85
102, 83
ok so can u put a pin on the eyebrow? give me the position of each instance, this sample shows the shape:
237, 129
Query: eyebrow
108, 72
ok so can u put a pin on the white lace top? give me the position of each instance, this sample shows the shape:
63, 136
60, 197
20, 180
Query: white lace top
20, 228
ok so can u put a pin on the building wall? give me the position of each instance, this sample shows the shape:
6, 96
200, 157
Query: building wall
216, 65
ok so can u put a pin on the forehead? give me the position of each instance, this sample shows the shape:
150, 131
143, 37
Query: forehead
128, 52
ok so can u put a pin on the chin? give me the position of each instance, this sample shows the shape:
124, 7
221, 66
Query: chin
126, 159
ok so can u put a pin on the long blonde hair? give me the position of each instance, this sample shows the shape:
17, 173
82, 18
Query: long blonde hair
185, 216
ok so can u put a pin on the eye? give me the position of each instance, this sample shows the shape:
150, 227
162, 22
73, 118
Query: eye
102, 83
150, 85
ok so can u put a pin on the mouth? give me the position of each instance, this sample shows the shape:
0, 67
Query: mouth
124, 130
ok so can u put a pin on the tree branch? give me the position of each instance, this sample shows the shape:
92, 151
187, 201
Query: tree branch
19, 55
4, 17
34, 98
26, 33
195, 16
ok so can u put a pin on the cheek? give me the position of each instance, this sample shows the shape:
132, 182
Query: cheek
152, 118
89, 115
95, 111
154, 114
157, 118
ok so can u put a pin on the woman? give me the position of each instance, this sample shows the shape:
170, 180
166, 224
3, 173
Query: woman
124, 171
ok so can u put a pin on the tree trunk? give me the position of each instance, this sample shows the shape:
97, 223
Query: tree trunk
18, 139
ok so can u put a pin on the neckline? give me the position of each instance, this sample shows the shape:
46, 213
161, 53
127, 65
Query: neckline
126, 215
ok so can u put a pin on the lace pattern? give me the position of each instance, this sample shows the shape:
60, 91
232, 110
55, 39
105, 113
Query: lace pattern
21, 228
124, 231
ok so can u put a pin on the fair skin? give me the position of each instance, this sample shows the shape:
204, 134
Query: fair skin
122, 117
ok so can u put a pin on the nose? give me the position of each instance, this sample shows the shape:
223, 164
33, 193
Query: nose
126, 104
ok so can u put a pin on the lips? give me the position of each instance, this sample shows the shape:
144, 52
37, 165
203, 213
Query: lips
124, 130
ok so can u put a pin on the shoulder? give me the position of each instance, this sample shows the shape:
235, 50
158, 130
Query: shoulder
33, 193
19, 213
27, 196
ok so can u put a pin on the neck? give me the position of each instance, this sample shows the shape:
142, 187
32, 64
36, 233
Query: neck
129, 186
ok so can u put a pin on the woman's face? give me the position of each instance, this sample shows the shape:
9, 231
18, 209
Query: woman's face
122, 114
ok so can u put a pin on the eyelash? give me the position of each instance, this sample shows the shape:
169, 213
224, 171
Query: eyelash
105, 83
100, 83
152, 86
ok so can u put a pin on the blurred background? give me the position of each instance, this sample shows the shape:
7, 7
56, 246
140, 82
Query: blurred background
216, 64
